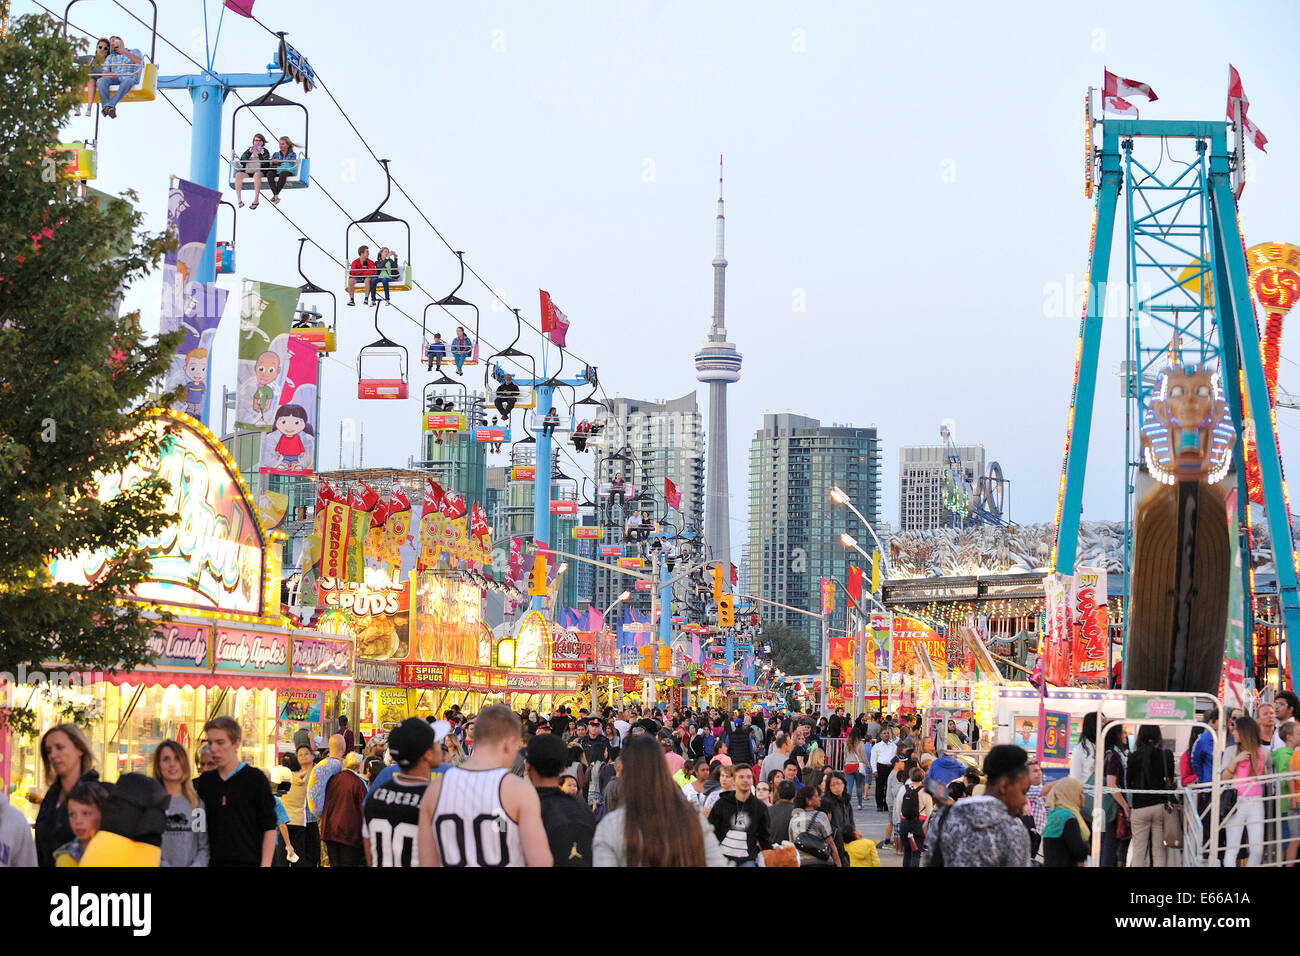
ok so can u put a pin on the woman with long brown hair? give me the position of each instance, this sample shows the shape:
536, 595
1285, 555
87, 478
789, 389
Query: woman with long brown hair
185, 841
67, 758
1248, 759
654, 825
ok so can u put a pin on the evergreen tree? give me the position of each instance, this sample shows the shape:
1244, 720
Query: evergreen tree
790, 650
76, 378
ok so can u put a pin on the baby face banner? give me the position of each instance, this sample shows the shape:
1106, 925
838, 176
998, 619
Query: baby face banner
289, 448
265, 317
191, 302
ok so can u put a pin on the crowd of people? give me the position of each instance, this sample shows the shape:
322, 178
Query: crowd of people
638, 787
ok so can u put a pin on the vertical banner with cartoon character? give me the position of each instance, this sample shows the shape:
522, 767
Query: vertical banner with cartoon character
289, 448
265, 317
191, 302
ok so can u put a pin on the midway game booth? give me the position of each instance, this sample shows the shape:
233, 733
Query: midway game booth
227, 650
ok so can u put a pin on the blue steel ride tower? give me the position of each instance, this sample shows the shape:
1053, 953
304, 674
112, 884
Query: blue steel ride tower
717, 363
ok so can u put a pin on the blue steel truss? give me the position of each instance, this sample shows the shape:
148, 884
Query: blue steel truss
1181, 229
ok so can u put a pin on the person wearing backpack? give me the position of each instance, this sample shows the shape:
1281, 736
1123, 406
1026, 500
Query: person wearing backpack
913, 809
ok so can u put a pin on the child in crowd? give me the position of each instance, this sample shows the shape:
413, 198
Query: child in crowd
862, 852
85, 809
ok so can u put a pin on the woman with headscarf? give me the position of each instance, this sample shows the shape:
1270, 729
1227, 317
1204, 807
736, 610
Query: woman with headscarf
1066, 835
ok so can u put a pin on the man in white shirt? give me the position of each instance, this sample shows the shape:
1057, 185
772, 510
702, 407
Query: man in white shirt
882, 756
1284, 709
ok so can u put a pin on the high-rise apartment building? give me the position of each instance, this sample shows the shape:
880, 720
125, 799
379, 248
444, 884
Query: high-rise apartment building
794, 527
921, 471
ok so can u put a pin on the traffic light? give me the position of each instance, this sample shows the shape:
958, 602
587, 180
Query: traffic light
537, 577
645, 660
717, 583
726, 611
665, 658
835, 676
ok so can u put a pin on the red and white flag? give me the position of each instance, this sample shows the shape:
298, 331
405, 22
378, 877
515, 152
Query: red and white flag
1236, 94
734, 576
398, 502
855, 583
478, 522
453, 505
1123, 107
554, 322
433, 495
1118, 86
672, 495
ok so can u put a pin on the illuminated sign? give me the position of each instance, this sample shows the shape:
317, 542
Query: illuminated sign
297, 705
210, 556
437, 674
587, 531
523, 472
421, 674
251, 652
183, 647
442, 422
564, 507
491, 434
321, 657
360, 599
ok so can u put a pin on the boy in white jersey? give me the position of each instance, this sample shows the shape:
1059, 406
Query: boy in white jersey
391, 813
480, 814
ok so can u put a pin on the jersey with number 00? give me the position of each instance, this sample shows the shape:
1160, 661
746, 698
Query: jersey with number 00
471, 825
391, 822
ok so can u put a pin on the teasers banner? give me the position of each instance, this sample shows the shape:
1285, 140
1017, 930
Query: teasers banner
289, 448
265, 317
904, 657
189, 302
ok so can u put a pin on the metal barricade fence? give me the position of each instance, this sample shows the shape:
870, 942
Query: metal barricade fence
834, 748
1266, 828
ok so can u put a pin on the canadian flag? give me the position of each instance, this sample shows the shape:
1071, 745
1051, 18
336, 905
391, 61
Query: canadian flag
1238, 95
1116, 104
672, 495
554, 322
1118, 86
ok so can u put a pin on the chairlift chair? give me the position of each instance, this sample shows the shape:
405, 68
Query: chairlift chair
389, 356
452, 299
403, 281
309, 323
146, 90
226, 249
74, 160
300, 178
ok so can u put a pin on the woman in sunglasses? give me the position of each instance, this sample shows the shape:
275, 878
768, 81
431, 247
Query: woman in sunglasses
96, 63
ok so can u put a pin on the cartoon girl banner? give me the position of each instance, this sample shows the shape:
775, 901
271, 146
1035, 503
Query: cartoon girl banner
265, 317
289, 448
190, 302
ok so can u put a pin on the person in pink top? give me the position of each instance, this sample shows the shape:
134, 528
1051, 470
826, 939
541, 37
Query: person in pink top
675, 760
1247, 760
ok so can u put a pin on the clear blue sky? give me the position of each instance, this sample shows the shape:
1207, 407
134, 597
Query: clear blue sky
575, 148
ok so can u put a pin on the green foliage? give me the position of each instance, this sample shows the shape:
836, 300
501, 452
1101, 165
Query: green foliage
790, 651
76, 379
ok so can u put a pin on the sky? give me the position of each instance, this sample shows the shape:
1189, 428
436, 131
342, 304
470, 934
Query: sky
904, 196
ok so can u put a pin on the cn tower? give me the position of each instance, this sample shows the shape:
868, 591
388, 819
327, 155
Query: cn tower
717, 363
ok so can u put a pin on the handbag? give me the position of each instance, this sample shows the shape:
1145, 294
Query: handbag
1172, 812
1123, 827
812, 844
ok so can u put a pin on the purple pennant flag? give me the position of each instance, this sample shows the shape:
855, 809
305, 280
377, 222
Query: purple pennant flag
191, 302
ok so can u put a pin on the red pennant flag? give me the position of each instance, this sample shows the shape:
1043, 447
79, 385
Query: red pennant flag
1236, 94
734, 577
554, 322
398, 502
478, 522
672, 495
325, 493
855, 583
379, 514
243, 7
433, 495
1118, 86
453, 505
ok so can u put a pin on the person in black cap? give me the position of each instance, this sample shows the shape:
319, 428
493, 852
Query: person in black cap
391, 813
131, 825
568, 822
986, 830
